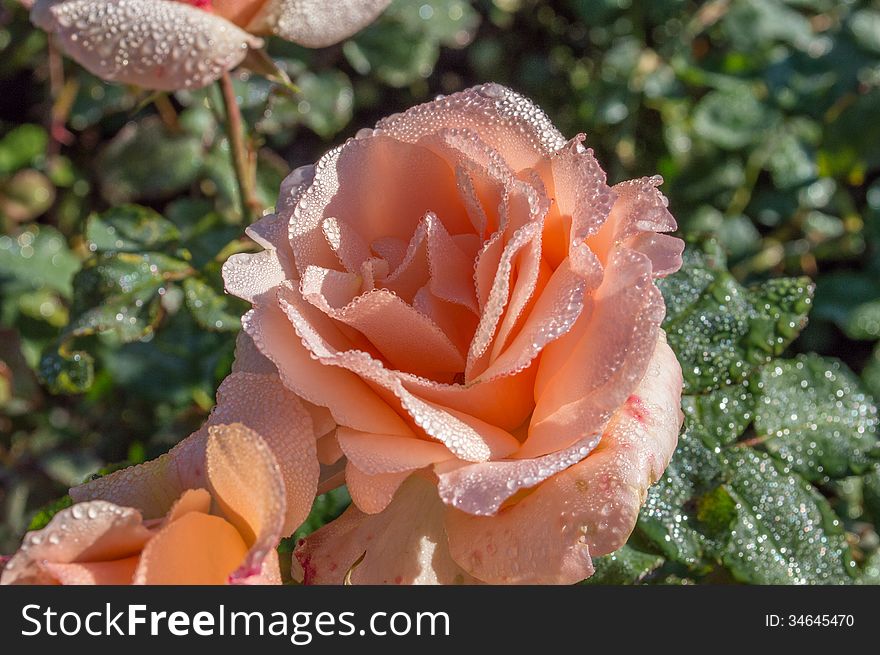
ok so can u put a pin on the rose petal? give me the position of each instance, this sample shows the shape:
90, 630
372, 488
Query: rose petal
480, 489
316, 23
247, 484
586, 511
584, 376
350, 400
508, 122
405, 544
96, 531
287, 429
150, 43
196, 549
374, 454
114, 572
372, 493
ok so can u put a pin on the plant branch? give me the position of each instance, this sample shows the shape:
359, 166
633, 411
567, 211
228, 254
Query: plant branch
244, 171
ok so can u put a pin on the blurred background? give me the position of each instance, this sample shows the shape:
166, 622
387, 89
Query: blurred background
763, 116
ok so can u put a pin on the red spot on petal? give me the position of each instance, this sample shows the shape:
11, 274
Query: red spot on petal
398, 580
204, 5
637, 409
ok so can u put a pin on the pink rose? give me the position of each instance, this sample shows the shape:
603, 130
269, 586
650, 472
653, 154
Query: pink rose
467, 312
181, 44
224, 531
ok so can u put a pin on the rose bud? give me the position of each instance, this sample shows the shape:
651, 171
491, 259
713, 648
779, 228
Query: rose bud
183, 44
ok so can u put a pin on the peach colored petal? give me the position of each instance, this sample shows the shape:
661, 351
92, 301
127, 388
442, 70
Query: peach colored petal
249, 359
663, 250
287, 430
316, 23
372, 493
505, 120
587, 510
114, 572
504, 401
86, 532
249, 276
467, 437
195, 549
192, 500
587, 374
405, 544
639, 208
366, 165
329, 451
150, 43
387, 453
350, 400
556, 310
240, 12
480, 489
408, 340
247, 485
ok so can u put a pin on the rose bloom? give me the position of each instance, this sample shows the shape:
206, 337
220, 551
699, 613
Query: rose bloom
211, 511
468, 313
182, 44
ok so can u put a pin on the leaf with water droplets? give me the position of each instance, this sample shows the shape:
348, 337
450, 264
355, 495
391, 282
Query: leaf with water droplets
210, 309
723, 413
785, 531
121, 294
669, 516
813, 415
147, 161
129, 228
64, 372
721, 330
627, 565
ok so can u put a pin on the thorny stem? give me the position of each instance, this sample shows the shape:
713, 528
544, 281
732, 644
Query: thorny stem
250, 206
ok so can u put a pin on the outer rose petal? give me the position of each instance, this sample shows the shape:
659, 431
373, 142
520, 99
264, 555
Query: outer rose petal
587, 510
316, 23
405, 544
508, 122
156, 44
248, 486
287, 429
97, 531
195, 549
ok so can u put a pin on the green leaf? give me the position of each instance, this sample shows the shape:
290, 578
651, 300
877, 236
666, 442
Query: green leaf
668, 518
129, 228
210, 309
785, 532
395, 54
719, 329
723, 414
121, 293
731, 119
21, 147
864, 321
627, 565
814, 416
67, 373
146, 161
326, 101
36, 258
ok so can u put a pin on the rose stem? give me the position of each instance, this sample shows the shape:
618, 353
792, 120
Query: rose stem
250, 206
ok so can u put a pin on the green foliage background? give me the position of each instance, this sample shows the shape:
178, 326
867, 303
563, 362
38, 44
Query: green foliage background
117, 209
